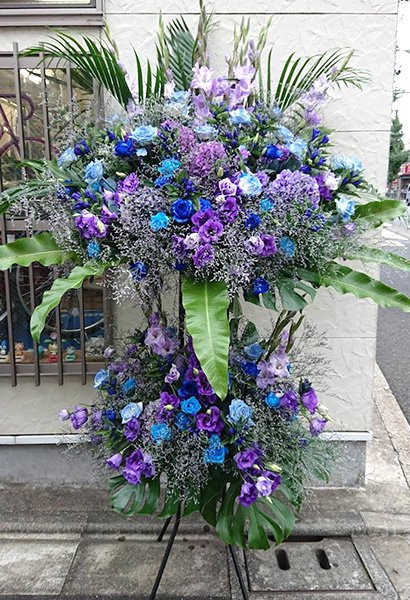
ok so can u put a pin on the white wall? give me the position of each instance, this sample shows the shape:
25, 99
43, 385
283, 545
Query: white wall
362, 123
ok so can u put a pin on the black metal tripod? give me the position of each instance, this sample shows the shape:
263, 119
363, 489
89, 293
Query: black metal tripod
168, 549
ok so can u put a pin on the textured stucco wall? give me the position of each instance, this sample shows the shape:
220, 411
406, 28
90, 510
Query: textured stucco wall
362, 124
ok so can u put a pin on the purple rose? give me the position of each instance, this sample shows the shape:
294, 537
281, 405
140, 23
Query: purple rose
107, 216
309, 400
317, 426
269, 246
227, 188
211, 231
245, 459
211, 421
249, 494
203, 255
114, 462
132, 429
79, 417
173, 375
90, 225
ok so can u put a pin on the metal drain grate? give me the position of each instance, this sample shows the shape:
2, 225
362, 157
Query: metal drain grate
328, 568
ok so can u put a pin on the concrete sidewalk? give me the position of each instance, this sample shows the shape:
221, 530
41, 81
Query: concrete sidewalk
64, 542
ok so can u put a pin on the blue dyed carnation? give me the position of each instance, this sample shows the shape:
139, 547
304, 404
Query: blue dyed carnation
204, 204
266, 204
187, 389
253, 351
249, 368
182, 421
216, 452
124, 148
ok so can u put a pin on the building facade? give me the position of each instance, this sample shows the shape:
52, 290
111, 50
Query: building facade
29, 428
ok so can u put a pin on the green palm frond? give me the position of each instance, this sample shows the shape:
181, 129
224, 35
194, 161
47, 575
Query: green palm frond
176, 49
93, 60
299, 74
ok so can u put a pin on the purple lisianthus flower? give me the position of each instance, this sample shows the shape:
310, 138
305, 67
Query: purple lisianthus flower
137, 465
245, 459
130, 184
79, 417
107, 216
211, 421
203, 255
254, 245
309, 400
201, 217
317, 426
227, 187
229, 209
90, 226
132, 429
267, 483
64, 414
114, 462
289, 401
182, 210
211, 231
269, 245
203, 385
249, 494
173, 375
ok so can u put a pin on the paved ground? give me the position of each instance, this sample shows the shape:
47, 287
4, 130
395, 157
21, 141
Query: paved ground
63, 542
393, 333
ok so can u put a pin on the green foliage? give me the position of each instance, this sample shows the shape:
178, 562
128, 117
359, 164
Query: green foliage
41, 248
298, 74
398, 153
378, 255
206, 311
377, 212
176, 49
53, 296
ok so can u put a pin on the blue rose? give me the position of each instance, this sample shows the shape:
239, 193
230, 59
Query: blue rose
124, 148
272, 400
159, 221
253, 351
144, 134
182, 210
187, 389
169, 166
216, 452
250, 185
339, 162
67, 158
297, 147
249, 368
252, 221
240, 412
93, 172
345, 207
206, 132
100, 377
260, 286
240, 116
288, 247
191, 406
160, 432
130, 411
273, 152
129, 385
182, 421
266, 205
284, 134
138, 270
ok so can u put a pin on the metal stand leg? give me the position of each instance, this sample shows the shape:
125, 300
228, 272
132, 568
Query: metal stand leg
164, 529
238, 572
167, 551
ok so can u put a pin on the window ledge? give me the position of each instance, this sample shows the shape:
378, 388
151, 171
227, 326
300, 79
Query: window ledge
40, 17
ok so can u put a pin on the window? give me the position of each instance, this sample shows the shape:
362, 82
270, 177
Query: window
15, 13
35, 107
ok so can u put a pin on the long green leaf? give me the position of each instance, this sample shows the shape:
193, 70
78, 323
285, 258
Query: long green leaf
380, 211
40, 248
347, 281
206, 305
53, 296
378, 255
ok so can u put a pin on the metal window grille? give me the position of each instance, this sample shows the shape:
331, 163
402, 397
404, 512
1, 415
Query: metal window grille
77, 331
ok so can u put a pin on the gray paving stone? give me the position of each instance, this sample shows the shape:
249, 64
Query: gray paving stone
35, 566
196, 568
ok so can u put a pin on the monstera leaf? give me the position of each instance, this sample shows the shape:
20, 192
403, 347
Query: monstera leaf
380, 256
206, 305
40, 248
53, 296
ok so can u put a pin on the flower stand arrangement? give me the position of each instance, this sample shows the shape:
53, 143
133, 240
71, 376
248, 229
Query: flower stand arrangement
217, 191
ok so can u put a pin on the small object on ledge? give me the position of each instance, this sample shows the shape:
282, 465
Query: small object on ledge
71, 355
19, 352
4, 355
52, 352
